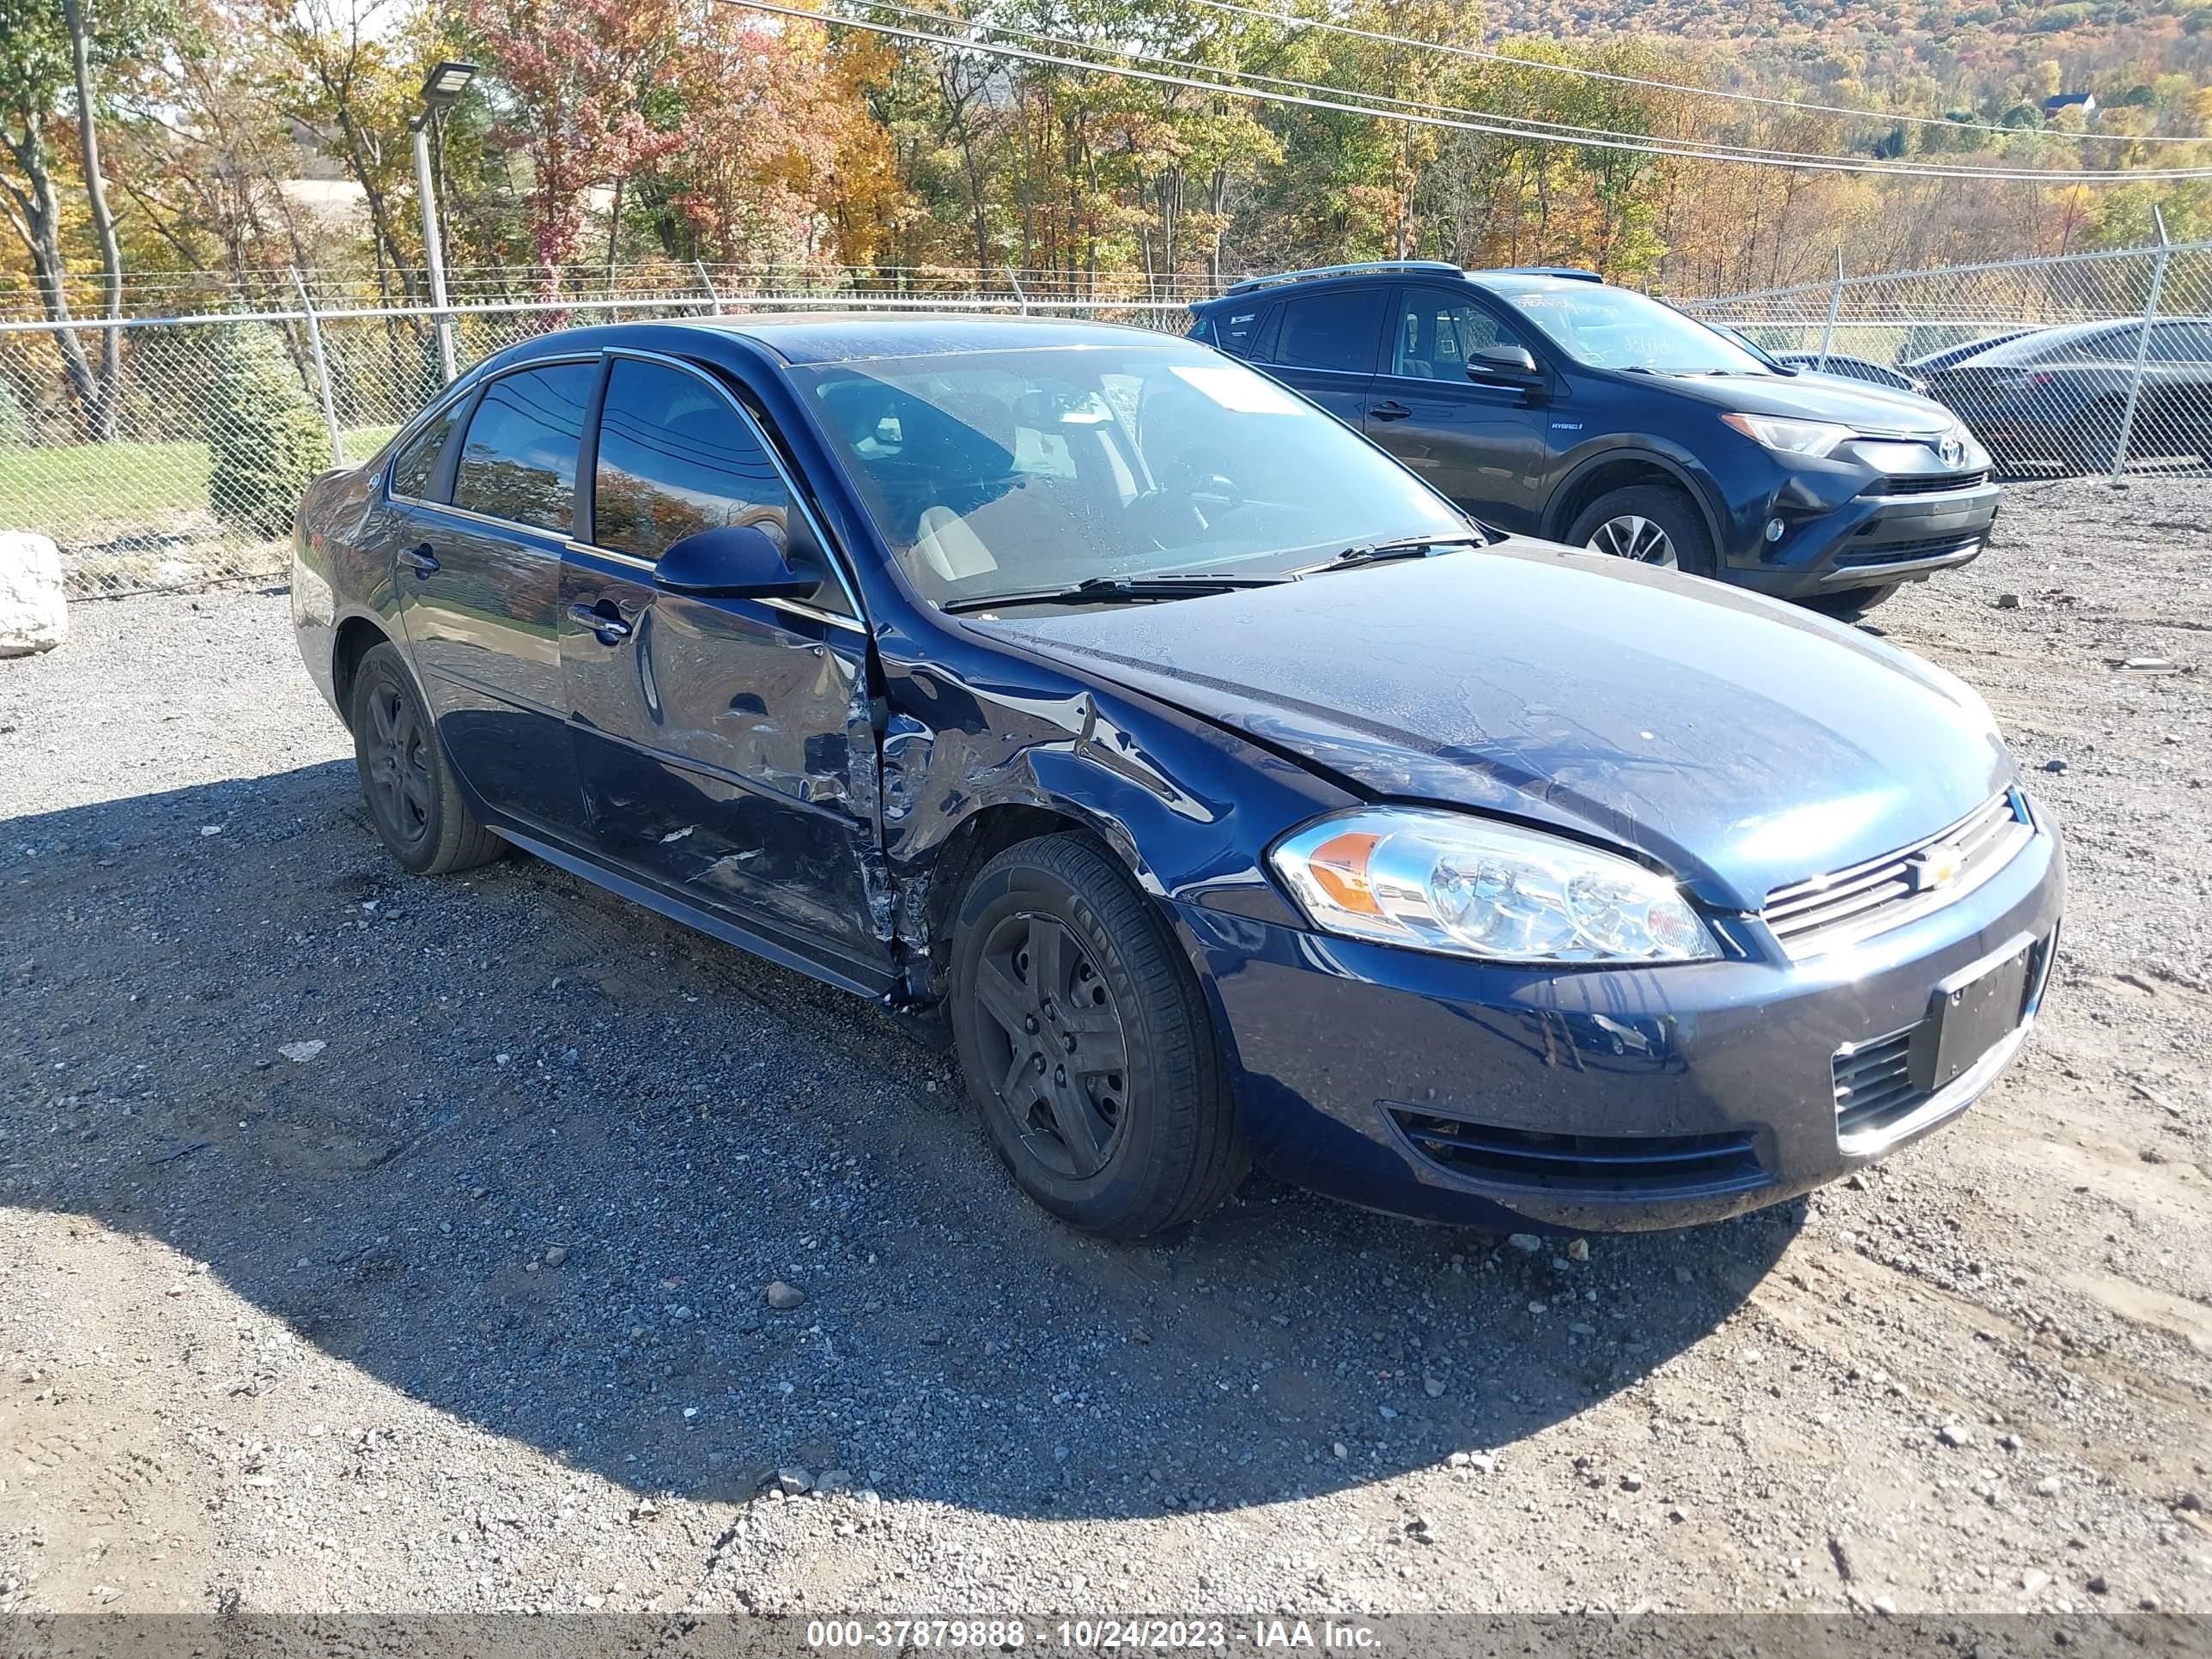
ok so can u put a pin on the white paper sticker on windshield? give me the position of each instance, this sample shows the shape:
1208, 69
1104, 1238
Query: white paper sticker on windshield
1237, 389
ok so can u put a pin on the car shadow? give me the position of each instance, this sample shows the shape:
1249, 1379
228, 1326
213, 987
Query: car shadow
551, 1149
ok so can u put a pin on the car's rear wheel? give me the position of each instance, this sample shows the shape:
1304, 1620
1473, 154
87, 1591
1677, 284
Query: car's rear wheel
1087, 1045
406, 779
1850, 604
1646, 524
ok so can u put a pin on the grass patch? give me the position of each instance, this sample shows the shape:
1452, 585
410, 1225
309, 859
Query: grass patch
94, 492
78, 493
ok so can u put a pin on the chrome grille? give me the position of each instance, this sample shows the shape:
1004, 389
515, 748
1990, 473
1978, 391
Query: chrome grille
1845, 906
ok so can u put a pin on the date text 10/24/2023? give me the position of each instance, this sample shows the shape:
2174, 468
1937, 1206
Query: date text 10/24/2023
1091, 1635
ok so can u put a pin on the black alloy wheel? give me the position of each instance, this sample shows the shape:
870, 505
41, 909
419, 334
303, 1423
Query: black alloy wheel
1064, 1050
1087, 1044
396, 764
412, 796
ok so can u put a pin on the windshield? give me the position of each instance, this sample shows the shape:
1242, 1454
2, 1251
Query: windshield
993, 473
1613, 328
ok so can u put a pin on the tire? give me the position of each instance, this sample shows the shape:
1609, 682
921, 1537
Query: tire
406, 779
1131, 1130
1689, 544
1850, 604
2098, 435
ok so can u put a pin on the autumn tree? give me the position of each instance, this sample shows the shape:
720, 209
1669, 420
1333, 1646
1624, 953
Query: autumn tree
348, 71
765, 118
55, 57
578, 79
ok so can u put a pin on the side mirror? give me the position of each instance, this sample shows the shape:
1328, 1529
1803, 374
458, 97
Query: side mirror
731, 562
1512, 361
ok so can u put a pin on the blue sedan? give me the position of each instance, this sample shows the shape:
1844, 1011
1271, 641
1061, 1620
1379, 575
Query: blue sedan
1215, 787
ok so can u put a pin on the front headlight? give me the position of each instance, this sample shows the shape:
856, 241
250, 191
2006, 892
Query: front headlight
1437, 881
1811, 439
1975, 457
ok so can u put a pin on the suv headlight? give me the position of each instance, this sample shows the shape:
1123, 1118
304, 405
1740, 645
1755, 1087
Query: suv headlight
1438, 881
1976, 459
1811, 439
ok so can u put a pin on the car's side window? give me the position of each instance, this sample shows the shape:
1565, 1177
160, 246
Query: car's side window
1437, 333
415, 470
1332, 331
2106, 345
519, 461
675, 458
1242, 331
2181, 342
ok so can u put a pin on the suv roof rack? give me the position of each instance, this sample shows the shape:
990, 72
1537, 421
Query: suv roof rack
1571, 273
1250, 284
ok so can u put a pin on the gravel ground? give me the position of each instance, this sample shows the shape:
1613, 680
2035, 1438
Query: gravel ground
368, 1244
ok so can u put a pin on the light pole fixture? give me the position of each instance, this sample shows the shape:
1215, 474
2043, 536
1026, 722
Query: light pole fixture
443, 84
445, 81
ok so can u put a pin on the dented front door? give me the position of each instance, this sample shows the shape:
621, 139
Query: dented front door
725, 745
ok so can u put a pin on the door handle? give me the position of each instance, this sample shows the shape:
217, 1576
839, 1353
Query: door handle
420, 560
1392, 410
612, 630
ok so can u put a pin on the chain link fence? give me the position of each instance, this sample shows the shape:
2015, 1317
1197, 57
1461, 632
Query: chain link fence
177, 467
2085, 363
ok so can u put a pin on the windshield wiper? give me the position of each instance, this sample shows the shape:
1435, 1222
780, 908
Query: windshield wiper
1413, 547
1116, 590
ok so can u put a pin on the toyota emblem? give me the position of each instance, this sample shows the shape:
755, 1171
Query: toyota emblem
1950, 452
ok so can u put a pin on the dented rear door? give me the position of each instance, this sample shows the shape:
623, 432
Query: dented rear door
725, 745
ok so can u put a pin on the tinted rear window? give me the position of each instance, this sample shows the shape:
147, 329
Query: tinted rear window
520, 460
1240, 330
1332, 331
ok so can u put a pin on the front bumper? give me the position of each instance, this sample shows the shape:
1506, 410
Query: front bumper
1873, 539
1606, 1099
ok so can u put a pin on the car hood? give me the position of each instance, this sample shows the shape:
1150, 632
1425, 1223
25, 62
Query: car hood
1740, 742
1810, 397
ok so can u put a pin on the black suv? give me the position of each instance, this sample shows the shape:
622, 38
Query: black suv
1550, 404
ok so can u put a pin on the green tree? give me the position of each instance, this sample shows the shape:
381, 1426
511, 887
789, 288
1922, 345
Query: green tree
265, 437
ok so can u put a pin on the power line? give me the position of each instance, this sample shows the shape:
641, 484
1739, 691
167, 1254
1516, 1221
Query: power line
1288, 21
1490, 125
1538, 127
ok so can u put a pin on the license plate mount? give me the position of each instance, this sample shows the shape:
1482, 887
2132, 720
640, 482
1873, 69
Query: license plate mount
1968, 1015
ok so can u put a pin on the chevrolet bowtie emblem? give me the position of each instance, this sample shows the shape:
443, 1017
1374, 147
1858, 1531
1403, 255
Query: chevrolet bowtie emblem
1936, 867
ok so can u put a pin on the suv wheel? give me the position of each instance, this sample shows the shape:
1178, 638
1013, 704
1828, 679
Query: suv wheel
1087, 1046
1648, 524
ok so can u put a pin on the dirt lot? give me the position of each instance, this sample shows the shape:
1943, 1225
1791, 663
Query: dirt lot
368, 1244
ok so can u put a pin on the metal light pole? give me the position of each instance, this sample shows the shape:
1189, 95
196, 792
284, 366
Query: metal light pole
440, 88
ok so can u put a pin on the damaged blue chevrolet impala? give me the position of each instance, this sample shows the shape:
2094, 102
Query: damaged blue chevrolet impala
1220, 791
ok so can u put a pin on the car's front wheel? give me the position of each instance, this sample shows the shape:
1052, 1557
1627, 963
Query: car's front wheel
412, 797
1086, 1043
1646, 524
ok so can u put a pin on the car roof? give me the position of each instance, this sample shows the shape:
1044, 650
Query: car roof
2033, 344
1505, 279
836, 336
1526, 279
